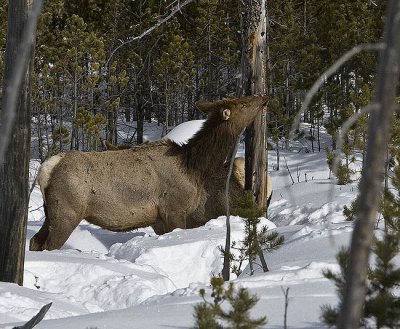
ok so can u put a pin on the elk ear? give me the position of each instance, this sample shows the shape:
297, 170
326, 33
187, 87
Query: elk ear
226, 114
205, 107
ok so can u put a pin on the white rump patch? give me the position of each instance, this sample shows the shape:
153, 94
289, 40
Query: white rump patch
45, 170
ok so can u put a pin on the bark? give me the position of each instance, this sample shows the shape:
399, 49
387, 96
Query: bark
14, 170
254, 75
74, 133
254, 50
140, 120
371, 181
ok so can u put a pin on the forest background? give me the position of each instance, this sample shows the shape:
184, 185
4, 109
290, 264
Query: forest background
82, 90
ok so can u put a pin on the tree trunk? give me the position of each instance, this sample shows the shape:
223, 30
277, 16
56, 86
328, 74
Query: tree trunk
371, 181
254, 75
254, 50
14, 171
140, 120
74, 133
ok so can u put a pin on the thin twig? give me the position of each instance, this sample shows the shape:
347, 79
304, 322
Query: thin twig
286, 294
329, 72
18, 70
226, 268
338, 155
345, 127
288, 169
174, 10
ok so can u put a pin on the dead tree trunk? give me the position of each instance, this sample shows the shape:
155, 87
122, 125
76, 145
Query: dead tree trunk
14, 171
371, 181
254, 51
254, 75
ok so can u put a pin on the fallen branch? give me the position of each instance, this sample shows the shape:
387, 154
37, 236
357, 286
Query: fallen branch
36, 319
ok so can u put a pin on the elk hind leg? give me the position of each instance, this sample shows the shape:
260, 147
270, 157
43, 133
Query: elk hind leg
40, 237
56, 229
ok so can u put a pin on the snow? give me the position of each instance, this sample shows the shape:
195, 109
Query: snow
137, 279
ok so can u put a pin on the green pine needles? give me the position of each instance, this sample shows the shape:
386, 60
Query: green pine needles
382, 302
256, 239
212, 314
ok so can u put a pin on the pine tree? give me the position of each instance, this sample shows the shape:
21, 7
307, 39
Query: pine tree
256, 240
211, 315
382, 305
329, 313
174, 72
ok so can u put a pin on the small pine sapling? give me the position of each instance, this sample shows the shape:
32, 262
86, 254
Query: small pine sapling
350, 212
382, 305
330, 158
211, 315
343, 174
256, 240
329, 313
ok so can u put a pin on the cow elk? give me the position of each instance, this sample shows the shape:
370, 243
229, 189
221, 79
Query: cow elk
157, 184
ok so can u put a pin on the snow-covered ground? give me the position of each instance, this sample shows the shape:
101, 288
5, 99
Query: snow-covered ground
136, 279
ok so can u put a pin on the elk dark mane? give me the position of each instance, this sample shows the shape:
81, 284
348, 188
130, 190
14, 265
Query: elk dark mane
203, 152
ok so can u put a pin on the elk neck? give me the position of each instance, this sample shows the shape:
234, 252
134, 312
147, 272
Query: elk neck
207, 150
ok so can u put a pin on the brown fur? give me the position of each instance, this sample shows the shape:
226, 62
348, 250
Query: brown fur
212, 193
155, 184
212, 202
112, 147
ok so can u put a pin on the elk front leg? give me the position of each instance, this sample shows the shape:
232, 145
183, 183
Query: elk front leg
173, 220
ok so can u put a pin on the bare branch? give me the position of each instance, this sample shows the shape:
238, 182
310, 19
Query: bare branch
328, 73
286, 294
227, 268
174, 10
338, 155
36, 319
12, 87
345, 127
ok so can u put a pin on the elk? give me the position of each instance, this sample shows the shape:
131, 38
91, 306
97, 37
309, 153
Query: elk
156, 184
212, 202
212, 195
